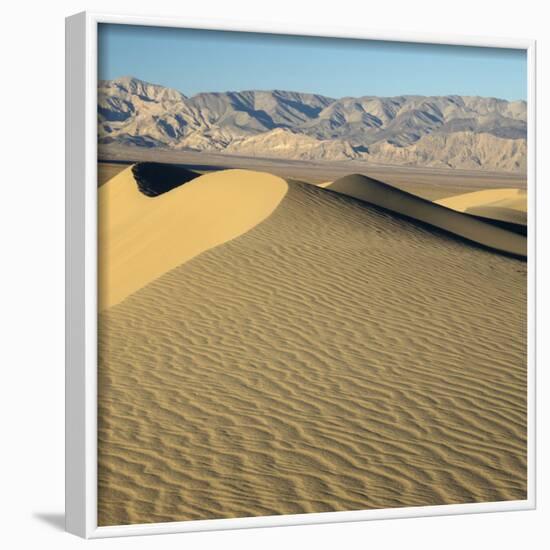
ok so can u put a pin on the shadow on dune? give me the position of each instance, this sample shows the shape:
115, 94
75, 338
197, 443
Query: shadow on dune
489, 234
154, 178
199, 167
497, 216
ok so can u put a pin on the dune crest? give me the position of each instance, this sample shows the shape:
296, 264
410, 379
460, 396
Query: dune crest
515, 199
504, 205
437, 215
141, 237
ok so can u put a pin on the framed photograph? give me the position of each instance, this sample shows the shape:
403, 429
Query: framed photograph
300, 275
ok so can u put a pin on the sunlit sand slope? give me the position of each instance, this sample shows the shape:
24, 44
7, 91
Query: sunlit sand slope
509, 205
511, 198
442, 217
142, 237
333, 357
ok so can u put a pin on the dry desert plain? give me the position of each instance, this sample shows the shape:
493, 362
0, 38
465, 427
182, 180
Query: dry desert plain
286, 340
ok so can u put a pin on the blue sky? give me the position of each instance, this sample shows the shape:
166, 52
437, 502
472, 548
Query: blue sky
195, 61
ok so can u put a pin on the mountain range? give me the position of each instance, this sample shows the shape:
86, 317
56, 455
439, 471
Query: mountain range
440, 131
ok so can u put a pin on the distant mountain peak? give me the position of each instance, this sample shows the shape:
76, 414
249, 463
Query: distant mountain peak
405, 129
135, 86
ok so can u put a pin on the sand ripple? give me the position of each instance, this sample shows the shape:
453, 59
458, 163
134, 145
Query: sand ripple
334, 357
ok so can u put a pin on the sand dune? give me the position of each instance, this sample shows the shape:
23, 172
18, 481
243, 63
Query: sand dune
108, 170
515, 199
333, 356
499, 213
403, 203
505, 205
141, 237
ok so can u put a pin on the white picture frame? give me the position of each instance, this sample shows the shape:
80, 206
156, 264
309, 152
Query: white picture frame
81, 277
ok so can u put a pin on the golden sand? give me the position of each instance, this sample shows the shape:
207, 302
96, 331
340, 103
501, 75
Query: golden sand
140, 237
515, 199
437, 215
508, 205
326, 355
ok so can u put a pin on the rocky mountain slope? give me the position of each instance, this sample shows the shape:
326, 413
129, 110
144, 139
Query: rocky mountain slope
445, 131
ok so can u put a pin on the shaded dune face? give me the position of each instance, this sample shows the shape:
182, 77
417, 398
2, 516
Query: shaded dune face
399, 202
506, 208
501, 217
333, 357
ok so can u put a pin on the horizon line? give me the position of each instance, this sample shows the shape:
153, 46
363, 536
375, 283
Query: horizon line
131, 77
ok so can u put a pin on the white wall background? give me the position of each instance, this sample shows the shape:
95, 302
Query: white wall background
32, 269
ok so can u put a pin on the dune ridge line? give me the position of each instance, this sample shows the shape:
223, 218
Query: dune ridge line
143, 237
508, 206
515, 199
437, 215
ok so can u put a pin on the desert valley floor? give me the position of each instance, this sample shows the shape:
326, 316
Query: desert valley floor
270, 346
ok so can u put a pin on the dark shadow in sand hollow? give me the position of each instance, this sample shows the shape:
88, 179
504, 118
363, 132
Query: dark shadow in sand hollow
155, 178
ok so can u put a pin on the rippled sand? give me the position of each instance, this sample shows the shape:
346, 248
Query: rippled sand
333, 357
